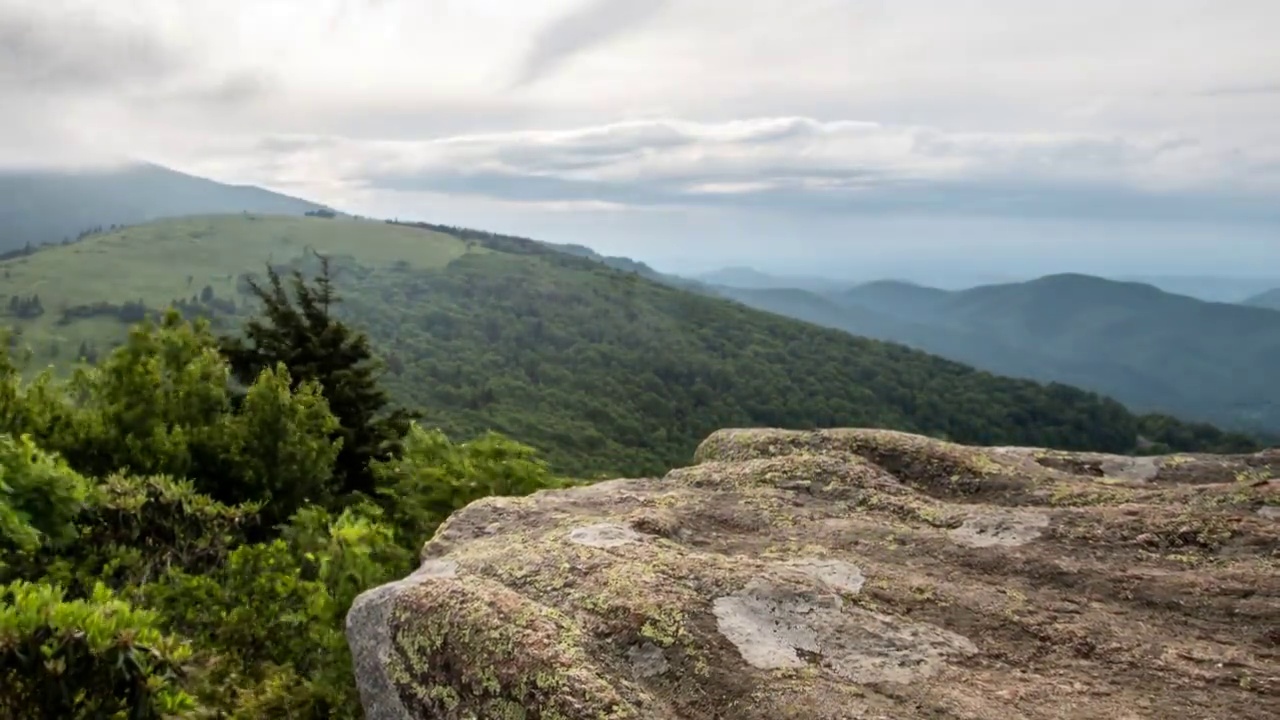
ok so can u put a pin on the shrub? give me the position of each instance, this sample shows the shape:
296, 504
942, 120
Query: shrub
174, 546
89, 658
436, 476
39, 495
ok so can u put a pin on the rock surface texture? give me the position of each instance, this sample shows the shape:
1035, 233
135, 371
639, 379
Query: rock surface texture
847, 574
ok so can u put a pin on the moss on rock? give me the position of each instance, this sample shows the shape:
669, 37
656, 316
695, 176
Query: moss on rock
824, 574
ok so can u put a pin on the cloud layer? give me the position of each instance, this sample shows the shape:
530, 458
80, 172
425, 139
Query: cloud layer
806, 109
803, 165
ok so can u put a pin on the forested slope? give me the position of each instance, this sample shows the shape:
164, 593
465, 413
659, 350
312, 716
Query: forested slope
1152, 350
604, 371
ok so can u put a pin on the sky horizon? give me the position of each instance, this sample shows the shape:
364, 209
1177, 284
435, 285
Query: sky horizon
970, 137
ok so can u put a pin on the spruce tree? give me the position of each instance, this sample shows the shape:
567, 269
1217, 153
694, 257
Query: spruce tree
301, 332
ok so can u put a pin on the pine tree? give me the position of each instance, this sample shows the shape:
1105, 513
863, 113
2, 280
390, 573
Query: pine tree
302, 333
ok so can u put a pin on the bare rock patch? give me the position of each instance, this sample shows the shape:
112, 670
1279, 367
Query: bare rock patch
842, 576
775, 627
647, 660
987, 528
604, 535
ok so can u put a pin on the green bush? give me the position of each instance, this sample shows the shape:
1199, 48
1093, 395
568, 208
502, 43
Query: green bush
132, 529
279, 607
436, 476
39, 495
178, 546
87, 658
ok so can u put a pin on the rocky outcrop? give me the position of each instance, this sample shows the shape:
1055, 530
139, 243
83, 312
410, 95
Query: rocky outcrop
847, 574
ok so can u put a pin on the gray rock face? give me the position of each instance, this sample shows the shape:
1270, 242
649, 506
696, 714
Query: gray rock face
845, 574
603, 535
775, 627
369, 637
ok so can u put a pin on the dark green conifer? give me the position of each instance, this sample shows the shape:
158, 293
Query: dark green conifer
301, 332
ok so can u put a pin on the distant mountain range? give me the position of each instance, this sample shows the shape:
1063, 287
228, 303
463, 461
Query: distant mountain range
1269, 299
1214, 289
752, 279
1202, 287
1153, 350
38, 207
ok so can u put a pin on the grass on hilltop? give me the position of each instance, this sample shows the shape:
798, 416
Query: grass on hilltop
159, 262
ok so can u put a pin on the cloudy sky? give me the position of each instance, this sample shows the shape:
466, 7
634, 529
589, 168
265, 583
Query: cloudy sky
848, 137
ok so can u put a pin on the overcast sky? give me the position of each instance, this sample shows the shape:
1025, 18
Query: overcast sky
845, 137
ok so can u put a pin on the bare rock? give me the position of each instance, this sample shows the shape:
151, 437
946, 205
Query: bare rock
846, 574
1000, 527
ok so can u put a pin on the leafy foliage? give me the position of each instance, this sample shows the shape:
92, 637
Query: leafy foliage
135, 528
175, 547
282, 442
85, 658
435, 476
301, 334
281, 605
39, 495
152, 406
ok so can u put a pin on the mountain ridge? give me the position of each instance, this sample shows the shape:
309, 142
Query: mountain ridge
748, 278
604, 370
50, 206
1236, 290
1269, 300
1157, 351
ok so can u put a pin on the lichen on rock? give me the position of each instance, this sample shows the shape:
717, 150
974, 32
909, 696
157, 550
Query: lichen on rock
845, 574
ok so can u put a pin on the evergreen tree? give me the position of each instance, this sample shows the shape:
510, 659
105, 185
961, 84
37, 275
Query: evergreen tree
302, 333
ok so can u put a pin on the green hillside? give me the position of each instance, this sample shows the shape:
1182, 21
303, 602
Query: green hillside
1152, 350
906, 324
603, 370
49, 206
100, 279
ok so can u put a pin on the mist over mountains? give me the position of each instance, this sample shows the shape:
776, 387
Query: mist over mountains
49, 206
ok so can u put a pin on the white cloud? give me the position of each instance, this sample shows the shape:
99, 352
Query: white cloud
783, 163
1095, 107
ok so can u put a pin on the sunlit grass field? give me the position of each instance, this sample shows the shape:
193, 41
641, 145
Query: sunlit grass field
168, 259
